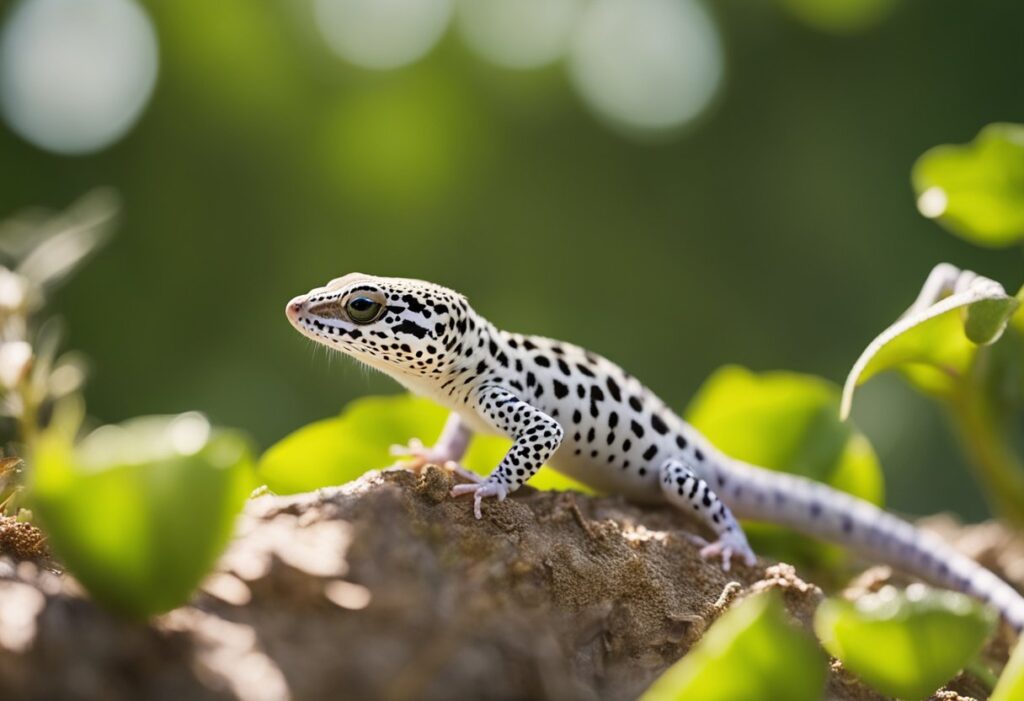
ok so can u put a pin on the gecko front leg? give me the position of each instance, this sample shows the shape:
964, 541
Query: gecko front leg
684, 489
447, 451
536, 435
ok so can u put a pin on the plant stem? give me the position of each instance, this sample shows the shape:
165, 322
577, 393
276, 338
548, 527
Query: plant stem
1000, 470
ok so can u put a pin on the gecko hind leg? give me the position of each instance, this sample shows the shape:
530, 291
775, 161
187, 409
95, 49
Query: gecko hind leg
684, 489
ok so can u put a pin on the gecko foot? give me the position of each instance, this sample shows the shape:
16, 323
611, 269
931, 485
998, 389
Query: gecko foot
479, 491
727, 546
419, 456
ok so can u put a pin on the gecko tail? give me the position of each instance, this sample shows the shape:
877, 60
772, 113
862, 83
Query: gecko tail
817, 510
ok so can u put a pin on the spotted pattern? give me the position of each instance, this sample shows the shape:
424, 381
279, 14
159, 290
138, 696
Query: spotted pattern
685, 489
536, 435
585, 416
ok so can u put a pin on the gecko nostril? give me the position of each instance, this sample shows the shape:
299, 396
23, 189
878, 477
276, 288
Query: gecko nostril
294, 307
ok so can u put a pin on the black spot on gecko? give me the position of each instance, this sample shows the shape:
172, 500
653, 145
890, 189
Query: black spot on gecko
542, 361
637, 429
650, 452
564, 367
410, 327
561, 389
658, 425
613, 389
413, 303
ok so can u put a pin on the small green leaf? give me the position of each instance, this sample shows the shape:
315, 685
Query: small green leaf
986, 319
787, 422
1011, 681
934, 345
140, 511
904, 644
976, 190
338, 450
751, 652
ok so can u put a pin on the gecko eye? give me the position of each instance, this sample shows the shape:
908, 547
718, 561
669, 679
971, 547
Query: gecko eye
363, 310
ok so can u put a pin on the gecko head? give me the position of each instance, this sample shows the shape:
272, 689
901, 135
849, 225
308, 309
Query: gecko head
385, 322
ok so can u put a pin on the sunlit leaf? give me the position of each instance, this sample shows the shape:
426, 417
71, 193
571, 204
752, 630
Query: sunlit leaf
1011, 681
937, 341
139, 512
841, 16
976, 190
904, 644
751, 652
338, 450
787, 422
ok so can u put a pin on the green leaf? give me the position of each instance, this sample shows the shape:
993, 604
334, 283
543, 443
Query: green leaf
140, 511
751, 652
787, 422
976, 190
338, 450
1011, 681
904, 644
936, 344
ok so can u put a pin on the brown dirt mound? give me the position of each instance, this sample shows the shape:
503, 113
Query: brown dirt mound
387, 589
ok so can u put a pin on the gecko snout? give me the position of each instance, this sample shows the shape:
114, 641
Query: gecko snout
295, 307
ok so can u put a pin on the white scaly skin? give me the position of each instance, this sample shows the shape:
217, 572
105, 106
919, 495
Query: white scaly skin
586, 417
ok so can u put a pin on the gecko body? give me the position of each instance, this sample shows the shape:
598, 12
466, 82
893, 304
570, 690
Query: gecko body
588, 418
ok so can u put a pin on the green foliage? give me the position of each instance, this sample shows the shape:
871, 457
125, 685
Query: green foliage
948, 351
976, 190
1011, 682
787, 422
139, 511
751, 652
904, 644
338, 450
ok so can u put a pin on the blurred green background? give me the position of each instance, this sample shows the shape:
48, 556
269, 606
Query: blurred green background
776, 230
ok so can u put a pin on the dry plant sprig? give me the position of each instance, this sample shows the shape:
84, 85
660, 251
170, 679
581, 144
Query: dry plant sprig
38, 251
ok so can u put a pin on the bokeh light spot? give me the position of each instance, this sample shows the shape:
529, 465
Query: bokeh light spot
382, 34
76, 74
932, 202
518, 33
646, 64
